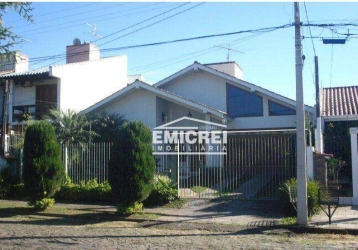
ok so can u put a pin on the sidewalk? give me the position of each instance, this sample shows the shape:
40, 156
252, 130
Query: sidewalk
246, 213
345, 217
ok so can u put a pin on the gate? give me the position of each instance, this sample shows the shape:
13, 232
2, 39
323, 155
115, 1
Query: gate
253, 167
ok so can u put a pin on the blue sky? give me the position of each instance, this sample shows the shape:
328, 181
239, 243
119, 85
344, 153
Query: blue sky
267, 59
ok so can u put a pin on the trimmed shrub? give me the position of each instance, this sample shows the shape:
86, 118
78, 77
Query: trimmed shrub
129, 209
312, 197
43, 170
132, 164
89, 191
163, 192
42, 204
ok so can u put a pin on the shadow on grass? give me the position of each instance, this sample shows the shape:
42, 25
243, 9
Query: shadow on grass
51, 216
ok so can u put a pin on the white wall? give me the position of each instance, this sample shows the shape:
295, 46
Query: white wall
211, 90
139, 105
84, 84
201, 87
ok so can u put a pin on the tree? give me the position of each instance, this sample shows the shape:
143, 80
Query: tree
105, 126
43, 170
132, 165
7, 36
70, 126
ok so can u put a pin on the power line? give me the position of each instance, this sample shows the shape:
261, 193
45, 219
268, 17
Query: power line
165, 12
309, 28
71, 15
149, 25
53, 12
256, 31
81, 21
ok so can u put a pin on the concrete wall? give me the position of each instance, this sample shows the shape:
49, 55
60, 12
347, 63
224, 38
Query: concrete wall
229, 68
83, 84
139, 105
201, 87
17, 62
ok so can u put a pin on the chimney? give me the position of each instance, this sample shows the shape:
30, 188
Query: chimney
230, 68
81, 52
15, 62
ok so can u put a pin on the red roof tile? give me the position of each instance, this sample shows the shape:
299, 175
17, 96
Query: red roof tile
340, 101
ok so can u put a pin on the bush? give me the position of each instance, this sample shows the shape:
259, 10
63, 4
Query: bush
132, 164
7, 181
89, 191
129, 209
312, 197
43, 170
41, 205
163, 192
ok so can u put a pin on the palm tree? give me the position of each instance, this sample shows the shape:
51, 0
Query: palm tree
105, 126
71, 126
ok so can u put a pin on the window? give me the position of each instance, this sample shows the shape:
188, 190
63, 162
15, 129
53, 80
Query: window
278, 109
241, 103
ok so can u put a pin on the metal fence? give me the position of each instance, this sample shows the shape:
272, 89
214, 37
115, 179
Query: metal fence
84, 162
254, 167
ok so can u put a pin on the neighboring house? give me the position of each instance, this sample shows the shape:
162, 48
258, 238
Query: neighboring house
208, 92
337, 105
84, 80
339, 112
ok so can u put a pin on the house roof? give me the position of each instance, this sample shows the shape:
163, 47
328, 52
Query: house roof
252, 87
340, 101
40, 71
161, 92
46, 70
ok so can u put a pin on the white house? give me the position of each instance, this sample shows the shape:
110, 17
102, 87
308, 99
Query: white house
209, 92
84, 80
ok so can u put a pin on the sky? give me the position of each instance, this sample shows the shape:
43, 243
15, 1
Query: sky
266, 58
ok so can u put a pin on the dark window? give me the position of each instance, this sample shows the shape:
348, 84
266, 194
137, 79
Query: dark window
46, 98
278, 109
241, 103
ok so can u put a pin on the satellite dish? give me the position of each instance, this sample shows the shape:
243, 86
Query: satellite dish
76, 41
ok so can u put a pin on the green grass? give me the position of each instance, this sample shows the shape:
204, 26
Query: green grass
177, 203
198, 189
289, 221
145, 216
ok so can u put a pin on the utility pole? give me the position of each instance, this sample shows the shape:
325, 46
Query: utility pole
302, 211
318, 109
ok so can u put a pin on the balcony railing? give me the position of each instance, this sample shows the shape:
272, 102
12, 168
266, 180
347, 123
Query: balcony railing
26, 112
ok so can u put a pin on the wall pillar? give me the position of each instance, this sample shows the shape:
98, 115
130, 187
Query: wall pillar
353, 133
319, 136
309, 162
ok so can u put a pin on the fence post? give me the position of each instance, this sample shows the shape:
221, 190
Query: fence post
353, 133
66, 160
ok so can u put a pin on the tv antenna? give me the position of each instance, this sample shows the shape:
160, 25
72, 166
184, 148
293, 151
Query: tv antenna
228, 51
94, 30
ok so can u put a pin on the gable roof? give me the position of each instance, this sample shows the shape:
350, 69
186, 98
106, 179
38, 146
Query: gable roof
252, 87
340, 101
161, 93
